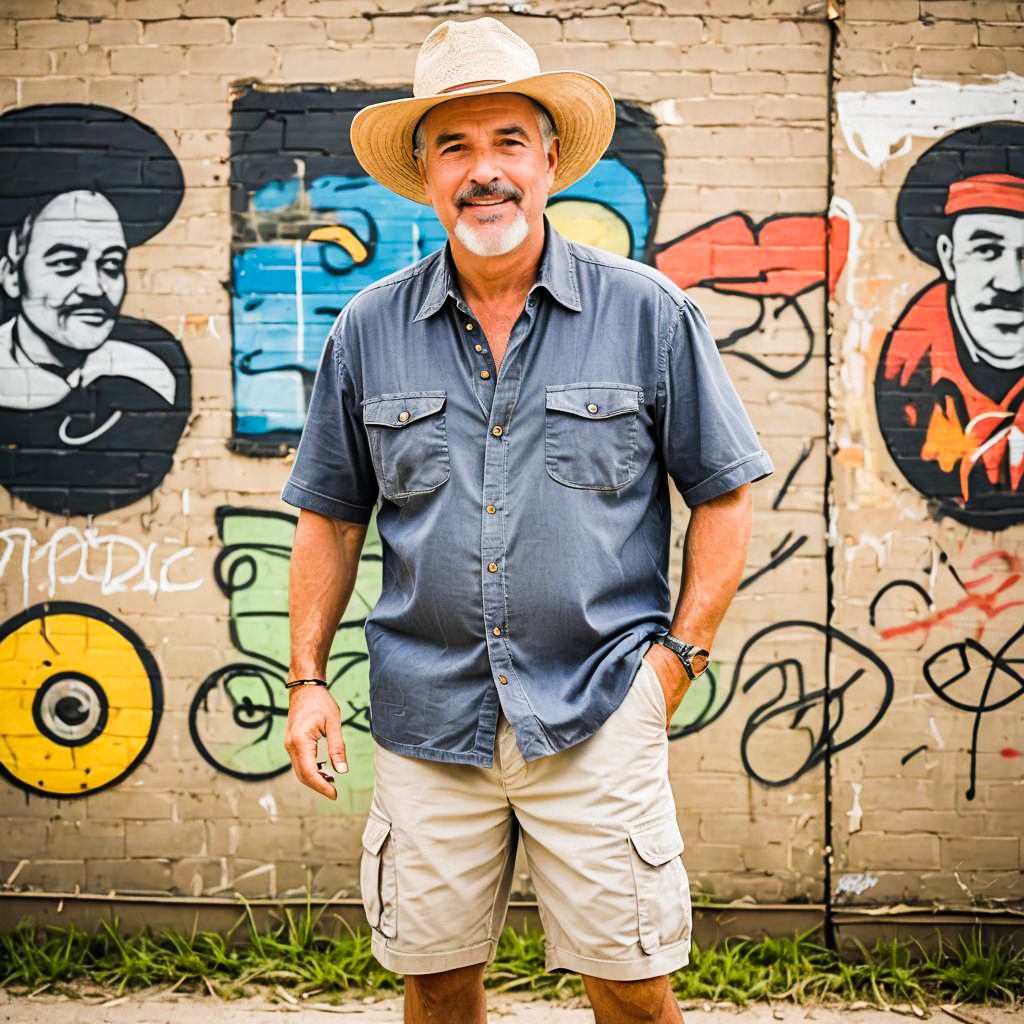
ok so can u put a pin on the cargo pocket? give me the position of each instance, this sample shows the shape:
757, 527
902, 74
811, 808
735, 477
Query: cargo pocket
591, 434
408, 442
378, 877
662, 888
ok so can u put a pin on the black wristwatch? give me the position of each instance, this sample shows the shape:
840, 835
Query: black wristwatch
685, 653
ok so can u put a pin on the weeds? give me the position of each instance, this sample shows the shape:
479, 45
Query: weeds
296, 958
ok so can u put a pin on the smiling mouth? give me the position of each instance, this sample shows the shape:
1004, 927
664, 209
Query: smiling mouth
90, 316
486, 203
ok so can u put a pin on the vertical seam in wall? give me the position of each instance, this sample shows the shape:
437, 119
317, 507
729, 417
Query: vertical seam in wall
827, 502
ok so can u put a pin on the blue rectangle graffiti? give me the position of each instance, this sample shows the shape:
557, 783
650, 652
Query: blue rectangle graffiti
310, 230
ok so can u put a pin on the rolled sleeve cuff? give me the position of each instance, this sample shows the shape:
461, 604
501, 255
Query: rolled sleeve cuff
302, 497
742, 471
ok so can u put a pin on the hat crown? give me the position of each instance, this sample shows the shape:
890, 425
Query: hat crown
457, 55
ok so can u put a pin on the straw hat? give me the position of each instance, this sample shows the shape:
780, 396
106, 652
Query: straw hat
474, 58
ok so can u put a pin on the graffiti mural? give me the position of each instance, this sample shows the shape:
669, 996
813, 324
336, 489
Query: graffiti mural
310, 229
92, 403
80, 700
950, 381
239, 713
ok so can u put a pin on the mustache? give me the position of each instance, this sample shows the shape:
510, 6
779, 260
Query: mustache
100, 304
497, 190
1010, 302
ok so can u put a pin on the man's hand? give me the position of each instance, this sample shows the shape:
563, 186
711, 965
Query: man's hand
672, 676
312, 713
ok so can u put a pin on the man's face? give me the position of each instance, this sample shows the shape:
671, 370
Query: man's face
486, 172
983, 257
71, 279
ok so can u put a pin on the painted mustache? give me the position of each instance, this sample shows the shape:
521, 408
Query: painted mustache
498, 190
1010, 302
100, 305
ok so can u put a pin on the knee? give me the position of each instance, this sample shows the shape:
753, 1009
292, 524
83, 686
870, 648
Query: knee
632, 1001
445, 987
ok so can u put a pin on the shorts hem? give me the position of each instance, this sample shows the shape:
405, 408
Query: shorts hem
665, 961
431, 963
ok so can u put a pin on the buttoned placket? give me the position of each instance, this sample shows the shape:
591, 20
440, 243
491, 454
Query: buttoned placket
498, 390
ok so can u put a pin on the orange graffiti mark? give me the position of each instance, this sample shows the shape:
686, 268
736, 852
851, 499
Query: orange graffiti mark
986, 602
945, 442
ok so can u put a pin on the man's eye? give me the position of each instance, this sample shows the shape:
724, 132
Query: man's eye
113, 267
65, 267
988, 252
452, 149
511, 142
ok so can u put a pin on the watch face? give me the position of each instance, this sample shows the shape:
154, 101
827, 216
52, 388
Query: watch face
699, 662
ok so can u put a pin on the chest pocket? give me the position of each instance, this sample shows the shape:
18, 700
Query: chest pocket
408, 442
591, 434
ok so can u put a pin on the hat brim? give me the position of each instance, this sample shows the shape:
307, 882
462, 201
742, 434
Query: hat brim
582, 108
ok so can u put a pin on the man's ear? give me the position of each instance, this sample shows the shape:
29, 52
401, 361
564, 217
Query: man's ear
9, 268
553, 160
944, 249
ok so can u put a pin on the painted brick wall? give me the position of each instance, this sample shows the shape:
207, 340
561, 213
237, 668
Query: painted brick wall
144, 564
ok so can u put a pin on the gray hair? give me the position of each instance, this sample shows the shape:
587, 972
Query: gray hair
545, 125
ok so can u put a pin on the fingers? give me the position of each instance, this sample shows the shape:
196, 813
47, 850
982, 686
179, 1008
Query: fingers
336, 745
310, 716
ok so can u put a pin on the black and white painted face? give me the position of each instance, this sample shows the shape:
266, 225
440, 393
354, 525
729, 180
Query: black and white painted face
72, 276
983, 258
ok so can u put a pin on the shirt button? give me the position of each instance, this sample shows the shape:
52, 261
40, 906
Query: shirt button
496, 631
492, 567
403, 415
491, 510
502, 679
591, 407
485, 374
478, 348
497, 431
469, 327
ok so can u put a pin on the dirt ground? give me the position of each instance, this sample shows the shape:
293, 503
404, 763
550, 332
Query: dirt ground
162, 1007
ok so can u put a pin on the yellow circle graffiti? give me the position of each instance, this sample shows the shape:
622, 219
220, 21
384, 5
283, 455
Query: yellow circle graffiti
80, 700
592, 223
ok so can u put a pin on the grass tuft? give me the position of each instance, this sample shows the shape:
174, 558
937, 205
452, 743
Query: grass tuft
295, 958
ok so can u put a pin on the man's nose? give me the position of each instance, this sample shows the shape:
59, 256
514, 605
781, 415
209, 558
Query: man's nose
1008, 272
89, 280
484, 170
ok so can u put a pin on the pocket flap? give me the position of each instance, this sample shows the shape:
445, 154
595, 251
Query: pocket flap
401, 410
375, 833
657, 842
593, 401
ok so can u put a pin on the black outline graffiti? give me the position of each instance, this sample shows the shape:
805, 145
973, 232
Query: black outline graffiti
913, 753
998, 662
778, 557
893, 585
825, 745
50, 608
229, 570
805, 454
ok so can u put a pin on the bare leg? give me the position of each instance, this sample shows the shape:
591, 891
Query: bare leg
449, 997
625, 1002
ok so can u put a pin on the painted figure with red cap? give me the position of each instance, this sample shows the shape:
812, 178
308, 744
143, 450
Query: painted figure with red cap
950, 380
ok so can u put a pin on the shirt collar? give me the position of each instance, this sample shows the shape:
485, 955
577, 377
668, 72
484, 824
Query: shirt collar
557, 276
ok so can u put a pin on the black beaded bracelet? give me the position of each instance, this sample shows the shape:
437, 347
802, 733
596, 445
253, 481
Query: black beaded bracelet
305, 682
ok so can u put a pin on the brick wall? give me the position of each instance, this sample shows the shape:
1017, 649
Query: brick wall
880, 605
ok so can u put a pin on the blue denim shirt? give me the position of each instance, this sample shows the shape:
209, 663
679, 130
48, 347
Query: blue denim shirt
523, 512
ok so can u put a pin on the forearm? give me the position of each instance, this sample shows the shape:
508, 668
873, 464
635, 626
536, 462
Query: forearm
324, 562
714, 555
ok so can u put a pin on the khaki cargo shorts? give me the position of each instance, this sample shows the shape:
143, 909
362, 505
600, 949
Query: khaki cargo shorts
598, 823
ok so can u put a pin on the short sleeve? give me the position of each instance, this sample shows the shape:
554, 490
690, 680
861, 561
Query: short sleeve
333, 472
710, 446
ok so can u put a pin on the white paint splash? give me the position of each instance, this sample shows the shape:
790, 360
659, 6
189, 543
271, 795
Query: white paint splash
185, 501
855, 884
881, 126
939, 741
269, 804
667, 112
856, 812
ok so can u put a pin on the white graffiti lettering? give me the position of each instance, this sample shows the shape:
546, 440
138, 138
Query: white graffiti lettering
117, 564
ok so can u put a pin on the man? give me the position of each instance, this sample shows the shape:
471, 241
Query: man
91, 403
950, 382
514, 402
